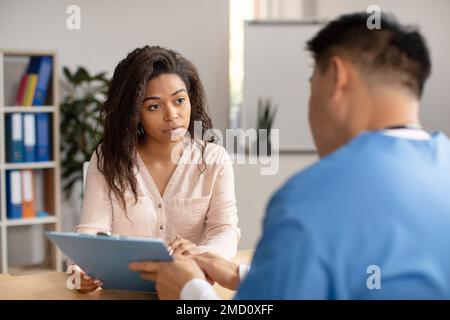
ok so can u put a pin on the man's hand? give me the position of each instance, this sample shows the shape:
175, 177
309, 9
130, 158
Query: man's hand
170, 277
218, 269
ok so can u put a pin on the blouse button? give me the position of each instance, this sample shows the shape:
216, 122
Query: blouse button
161, 227
160, 205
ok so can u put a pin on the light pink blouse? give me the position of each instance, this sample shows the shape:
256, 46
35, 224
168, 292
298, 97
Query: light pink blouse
200, 207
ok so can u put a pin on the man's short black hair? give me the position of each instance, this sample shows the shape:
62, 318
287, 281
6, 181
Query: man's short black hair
392, 53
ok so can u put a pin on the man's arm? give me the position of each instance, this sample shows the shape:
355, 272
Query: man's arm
287, 262
197, 289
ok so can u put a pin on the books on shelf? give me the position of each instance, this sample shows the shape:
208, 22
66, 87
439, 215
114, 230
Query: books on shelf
22, 89
28, 210
42, 67
14, 194
28, 137
35, 82
14, 137
20, 195
43, 143
30, 188
30, 89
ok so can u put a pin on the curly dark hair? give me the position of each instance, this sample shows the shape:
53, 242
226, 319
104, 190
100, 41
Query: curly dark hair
120, 114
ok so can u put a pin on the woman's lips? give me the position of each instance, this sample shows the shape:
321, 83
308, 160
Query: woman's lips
176, 132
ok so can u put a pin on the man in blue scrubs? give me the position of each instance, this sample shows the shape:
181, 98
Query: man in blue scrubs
371, 219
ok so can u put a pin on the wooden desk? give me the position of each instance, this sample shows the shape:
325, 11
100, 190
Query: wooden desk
52, 286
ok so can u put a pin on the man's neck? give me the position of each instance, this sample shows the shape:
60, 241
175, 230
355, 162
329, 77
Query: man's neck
377, 109
385, 109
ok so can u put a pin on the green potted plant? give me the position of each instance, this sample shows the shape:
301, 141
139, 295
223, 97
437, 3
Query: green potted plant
80, 129
266, 115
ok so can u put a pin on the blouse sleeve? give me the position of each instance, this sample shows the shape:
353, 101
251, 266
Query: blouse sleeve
222, 233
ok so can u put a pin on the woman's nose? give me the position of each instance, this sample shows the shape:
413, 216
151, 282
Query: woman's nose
171, 114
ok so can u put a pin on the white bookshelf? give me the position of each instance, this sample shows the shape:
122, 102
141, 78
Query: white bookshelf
30, 165
33, 221
16, 109
49, 172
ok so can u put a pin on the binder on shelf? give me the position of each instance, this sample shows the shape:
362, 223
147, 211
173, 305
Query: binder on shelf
29, 137
14, 137
22, 89
42, 66
14, 194
30, 89
43, 143
28, 209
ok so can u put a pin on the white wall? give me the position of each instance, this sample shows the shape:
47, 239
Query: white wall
432, 19
110, 29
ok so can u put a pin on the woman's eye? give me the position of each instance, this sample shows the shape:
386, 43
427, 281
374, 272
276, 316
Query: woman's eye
180, 100
154, 107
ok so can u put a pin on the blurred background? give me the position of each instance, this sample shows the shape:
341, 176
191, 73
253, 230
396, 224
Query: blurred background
248, 53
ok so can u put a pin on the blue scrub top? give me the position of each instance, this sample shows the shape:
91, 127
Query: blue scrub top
369, 221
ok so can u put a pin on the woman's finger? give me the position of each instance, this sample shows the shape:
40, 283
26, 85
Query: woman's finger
176, 238
179, 249
85, 283
91, 287
87, 280
84, 276
87, 289
189, 250
175, 243
182, 248
90, 282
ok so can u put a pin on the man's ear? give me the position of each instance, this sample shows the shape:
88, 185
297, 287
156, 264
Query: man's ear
340, 76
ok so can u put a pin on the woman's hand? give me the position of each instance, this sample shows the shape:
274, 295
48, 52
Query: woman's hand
86, 283
218, 269
181, 246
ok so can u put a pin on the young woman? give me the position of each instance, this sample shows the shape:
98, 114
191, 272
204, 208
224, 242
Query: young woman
150, 175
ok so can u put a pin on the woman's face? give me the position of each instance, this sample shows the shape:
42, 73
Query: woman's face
166, 109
